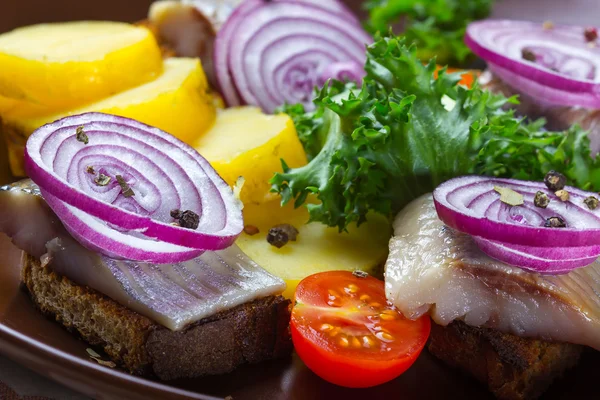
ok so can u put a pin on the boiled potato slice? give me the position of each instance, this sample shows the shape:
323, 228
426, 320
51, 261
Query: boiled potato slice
69, 64
317, 247
245, 142
177, 102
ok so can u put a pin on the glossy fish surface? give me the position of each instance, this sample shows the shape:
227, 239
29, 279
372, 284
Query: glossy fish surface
173, 295
437, 270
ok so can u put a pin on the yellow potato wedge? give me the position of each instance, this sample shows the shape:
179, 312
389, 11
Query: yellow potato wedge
317, 247
177, 102
245, 142
69, 64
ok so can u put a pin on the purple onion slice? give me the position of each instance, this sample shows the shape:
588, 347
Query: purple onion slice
555, 64
517, 234
271, 53
87, 184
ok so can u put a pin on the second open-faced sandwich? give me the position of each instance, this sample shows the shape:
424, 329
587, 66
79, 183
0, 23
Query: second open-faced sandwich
508, 270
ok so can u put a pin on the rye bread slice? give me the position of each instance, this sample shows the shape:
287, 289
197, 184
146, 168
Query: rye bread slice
250, 333
513, 368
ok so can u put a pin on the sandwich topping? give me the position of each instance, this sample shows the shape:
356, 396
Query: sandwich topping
125, 210
555, 66
523, 235
437, 270
173, 295
555, 72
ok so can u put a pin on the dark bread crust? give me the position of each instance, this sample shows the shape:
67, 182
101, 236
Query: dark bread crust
249, 333
512, 367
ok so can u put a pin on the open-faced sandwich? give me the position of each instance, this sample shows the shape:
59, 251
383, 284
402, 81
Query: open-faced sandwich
136, 252
165, 215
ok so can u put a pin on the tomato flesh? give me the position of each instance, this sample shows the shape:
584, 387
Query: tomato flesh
346, 332
468, 76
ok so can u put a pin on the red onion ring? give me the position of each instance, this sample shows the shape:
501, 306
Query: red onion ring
567, 67
516, 234
342, 71
163, 172
96, 235
547, 260
271, 53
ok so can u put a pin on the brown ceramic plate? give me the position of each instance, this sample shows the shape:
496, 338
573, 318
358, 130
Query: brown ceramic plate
44, 346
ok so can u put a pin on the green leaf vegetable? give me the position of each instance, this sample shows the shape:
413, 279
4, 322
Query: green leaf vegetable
437, 27
404, 132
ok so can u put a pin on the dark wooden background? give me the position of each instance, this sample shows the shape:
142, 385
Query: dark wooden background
14, 13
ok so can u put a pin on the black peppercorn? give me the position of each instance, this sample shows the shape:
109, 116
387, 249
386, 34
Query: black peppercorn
591, 202
528, 55
555, 181
187, 219
541, 200
555, 222
279, 235
81, 136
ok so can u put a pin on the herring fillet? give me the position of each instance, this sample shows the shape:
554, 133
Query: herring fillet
437, 270
173, 295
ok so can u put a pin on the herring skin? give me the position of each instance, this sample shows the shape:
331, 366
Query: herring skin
437, 270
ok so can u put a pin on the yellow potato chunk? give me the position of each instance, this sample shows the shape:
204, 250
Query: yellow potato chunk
317, 248
177, 102
245, 142
69, 64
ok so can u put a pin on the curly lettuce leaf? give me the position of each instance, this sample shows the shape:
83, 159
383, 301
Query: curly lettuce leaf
404, 132
437, 27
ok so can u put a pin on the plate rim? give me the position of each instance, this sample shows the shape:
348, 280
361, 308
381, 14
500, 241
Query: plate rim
43, 359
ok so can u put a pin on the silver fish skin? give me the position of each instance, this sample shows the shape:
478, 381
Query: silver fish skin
26, 218
558, 117
173, 295
436, 270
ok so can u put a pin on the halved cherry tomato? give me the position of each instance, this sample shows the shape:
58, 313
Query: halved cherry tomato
347, 333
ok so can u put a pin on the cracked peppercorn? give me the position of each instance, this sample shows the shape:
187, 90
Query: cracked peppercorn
280, 235
555, 222
541, 200
555, 180
591, 202
187, 219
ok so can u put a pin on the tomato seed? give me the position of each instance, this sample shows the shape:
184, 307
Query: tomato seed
375, 304
367, 341
386, 317
384, 336
326, 327
356, 342
334, 303
365, 297
352, 288
344, 342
